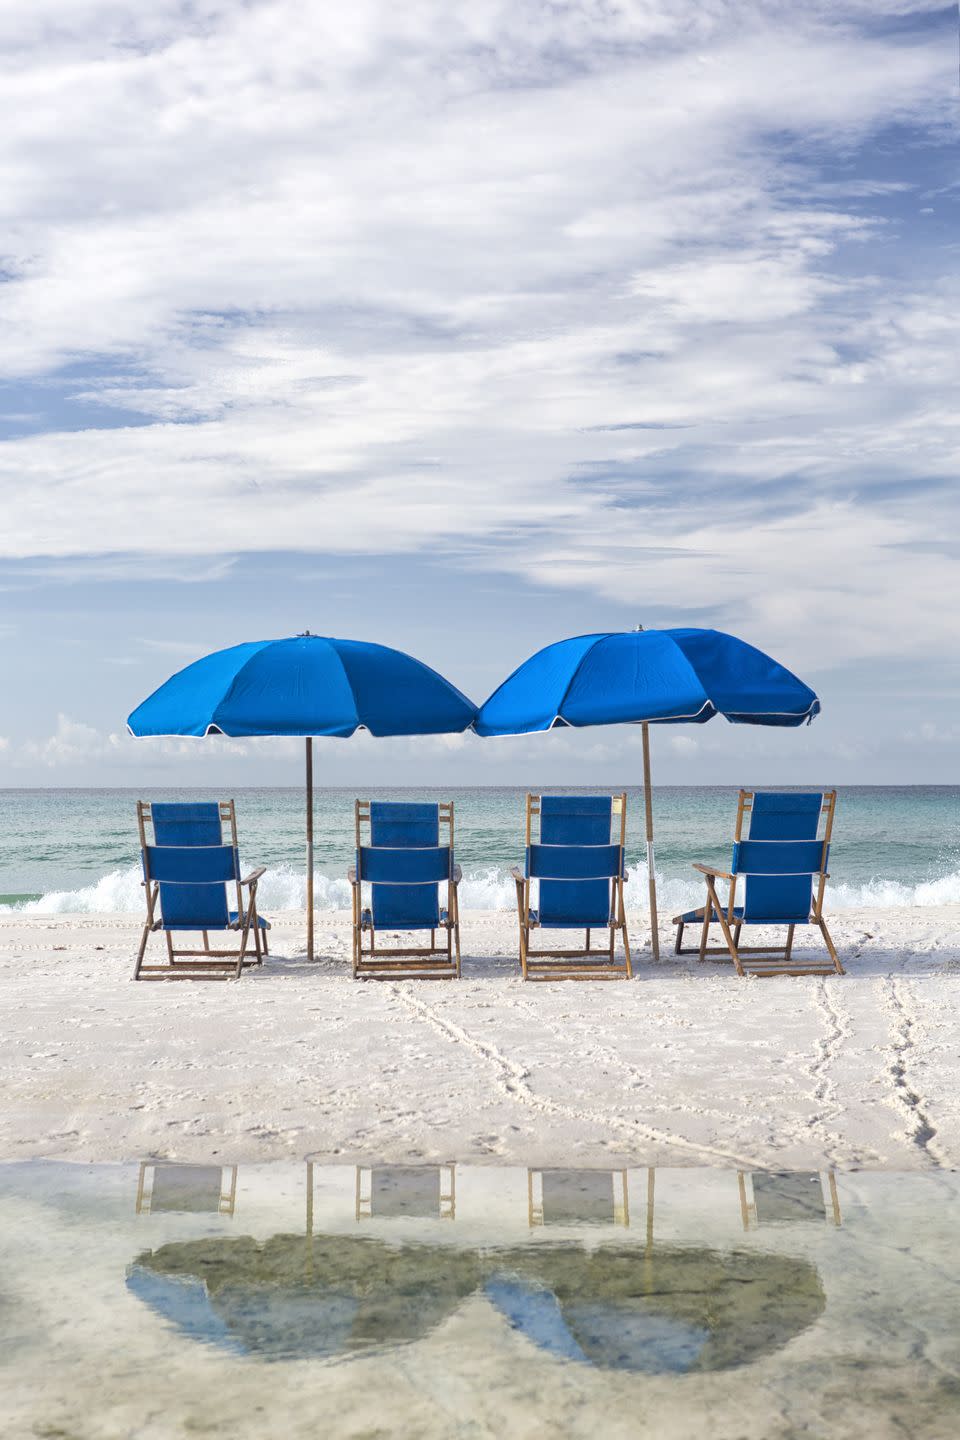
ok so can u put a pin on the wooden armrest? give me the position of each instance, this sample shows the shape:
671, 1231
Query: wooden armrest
254, 876
710, 870
517, 874
457, 875
352, 874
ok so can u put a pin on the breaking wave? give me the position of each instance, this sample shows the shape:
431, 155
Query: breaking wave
284, 888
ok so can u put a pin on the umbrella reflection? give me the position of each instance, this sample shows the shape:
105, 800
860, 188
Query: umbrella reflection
296, 1296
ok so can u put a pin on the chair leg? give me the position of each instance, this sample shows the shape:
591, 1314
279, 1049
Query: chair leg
142, 951
788, 948
830, 945
456, 928
705, 931
588, 941
626, 950
266, 947
721, 917
736, 932
206, 940
244, 939
622, 912
678, 947
169, 946
522, 943
256, 938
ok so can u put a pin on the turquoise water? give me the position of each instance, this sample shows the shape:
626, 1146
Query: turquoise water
66, 850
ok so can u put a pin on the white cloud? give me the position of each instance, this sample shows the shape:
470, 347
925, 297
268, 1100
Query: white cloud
413, 273
74, 744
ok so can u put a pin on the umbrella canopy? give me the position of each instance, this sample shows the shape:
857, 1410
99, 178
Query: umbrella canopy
306, 685
647, 677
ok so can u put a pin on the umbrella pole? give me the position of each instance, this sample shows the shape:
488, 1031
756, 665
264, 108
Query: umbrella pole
651, 875
309, 847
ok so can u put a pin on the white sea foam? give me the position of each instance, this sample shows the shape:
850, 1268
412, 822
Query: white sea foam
284, 888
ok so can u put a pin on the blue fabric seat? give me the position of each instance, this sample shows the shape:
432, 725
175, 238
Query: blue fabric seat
191, 874
782, 864
401, 861
577, 866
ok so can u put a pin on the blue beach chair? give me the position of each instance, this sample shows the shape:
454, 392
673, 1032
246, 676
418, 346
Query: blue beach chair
783, 862
191, 876
403, 864
578, 865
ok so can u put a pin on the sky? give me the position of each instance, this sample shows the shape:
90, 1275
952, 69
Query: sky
465, 328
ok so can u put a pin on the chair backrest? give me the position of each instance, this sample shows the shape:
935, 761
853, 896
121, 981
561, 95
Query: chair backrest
193, 882
187, 823
579, 854
782, 814
779, 877
404, 862
779, 883
194, 858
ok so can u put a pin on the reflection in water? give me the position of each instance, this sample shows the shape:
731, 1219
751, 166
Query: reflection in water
172, 1188
783, 1197
296, 1296
173, 1320
577, 1197
651, 1310
423, 1192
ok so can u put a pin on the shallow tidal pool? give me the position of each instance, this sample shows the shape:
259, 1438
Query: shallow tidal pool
308, 1299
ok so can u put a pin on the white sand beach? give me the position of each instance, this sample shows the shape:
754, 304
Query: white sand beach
685, 1065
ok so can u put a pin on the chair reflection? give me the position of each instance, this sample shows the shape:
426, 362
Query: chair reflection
614, 1303
783, 1197
577, 1197
165, 1187
421, 1192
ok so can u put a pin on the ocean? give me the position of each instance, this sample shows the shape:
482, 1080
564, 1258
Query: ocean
77, 850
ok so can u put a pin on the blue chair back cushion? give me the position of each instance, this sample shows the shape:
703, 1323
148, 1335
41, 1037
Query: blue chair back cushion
404, 823
785, 815
186, 823
193, 884
779, 878
577, 820
405, 865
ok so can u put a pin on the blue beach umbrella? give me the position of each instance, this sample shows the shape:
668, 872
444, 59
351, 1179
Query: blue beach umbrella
647, 677
305, 686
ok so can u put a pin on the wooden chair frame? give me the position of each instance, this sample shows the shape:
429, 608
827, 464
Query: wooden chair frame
770, 960
585, 964
205, 964
422, 962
